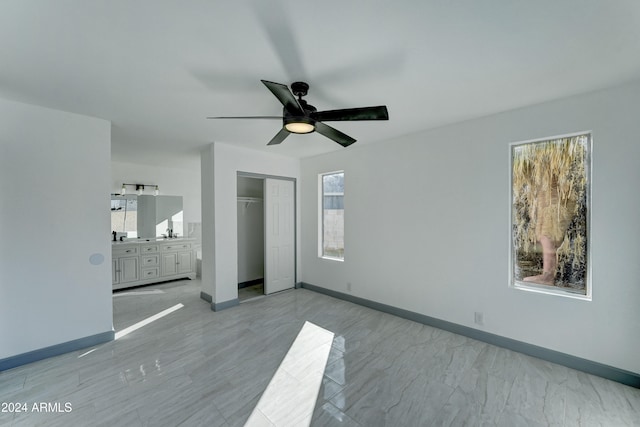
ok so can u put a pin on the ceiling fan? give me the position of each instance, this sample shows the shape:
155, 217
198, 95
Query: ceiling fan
300, 117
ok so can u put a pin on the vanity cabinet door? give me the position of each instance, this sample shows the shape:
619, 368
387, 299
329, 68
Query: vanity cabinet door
185, 262
169, 264
129, 269
115, 272
125, 270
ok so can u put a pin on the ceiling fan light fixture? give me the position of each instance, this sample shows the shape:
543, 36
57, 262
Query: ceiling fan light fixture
299, 124
300, 127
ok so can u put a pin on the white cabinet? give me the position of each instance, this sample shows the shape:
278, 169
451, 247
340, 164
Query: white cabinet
177, 258
185, 262
169, 264
142, 263
125, 265
149, 262
149, 249
128, 269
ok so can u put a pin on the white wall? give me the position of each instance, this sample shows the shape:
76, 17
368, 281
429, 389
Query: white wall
172, 182
427, 216
54, 187
220, 164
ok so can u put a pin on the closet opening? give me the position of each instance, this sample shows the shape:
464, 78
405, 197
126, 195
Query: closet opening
250, 212
266, 218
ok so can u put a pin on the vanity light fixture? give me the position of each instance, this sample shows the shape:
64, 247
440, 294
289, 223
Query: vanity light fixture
140, 188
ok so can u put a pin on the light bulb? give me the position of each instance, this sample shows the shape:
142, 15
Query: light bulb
299, 127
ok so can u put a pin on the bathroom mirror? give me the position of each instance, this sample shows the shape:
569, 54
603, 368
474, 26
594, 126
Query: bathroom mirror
124, 215
147, 216
160, 216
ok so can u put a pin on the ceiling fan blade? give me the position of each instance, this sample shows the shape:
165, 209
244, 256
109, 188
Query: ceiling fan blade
280, 136
285, 96
246, 117
334, 134
363, 113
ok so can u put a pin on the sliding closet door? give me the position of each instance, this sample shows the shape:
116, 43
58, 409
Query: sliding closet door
279, 235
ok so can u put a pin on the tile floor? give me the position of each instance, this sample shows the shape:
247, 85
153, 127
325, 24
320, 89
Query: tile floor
195, 367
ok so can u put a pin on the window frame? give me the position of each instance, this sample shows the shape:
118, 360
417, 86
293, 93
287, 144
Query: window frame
321, 225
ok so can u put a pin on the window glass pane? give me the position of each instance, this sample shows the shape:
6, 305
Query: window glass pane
333, 215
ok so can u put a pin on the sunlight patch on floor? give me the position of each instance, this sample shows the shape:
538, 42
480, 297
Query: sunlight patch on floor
146, 321
88, 352
290, 397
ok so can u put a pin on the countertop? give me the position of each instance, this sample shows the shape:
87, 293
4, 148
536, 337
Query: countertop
152, 240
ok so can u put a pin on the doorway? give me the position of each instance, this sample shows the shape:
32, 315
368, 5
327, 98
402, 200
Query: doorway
250, 213
266, 235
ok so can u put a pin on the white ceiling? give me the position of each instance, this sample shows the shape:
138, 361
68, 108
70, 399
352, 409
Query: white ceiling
157, 68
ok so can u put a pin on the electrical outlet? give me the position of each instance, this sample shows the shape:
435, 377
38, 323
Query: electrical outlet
349, 286
479, 318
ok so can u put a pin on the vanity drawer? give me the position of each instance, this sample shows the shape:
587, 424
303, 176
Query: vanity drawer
150, 273
176, 247
145, 249
150, 260
131, 250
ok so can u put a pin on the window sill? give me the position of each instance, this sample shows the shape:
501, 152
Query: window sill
549, 290
332, 258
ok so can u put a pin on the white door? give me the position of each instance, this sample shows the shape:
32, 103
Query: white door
279, 235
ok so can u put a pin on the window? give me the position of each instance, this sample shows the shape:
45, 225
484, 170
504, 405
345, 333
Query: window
550, 214
332, 215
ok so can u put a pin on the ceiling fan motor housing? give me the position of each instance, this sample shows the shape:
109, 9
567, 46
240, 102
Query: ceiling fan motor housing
299, 88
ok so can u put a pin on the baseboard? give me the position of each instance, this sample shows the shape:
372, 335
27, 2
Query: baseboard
605, 371
218, 306
298, 285
250, 283
205, 296
55, 350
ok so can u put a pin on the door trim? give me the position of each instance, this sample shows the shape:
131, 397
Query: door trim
295, 212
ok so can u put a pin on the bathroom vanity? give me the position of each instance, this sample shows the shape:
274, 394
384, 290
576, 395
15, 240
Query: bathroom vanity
145, 261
